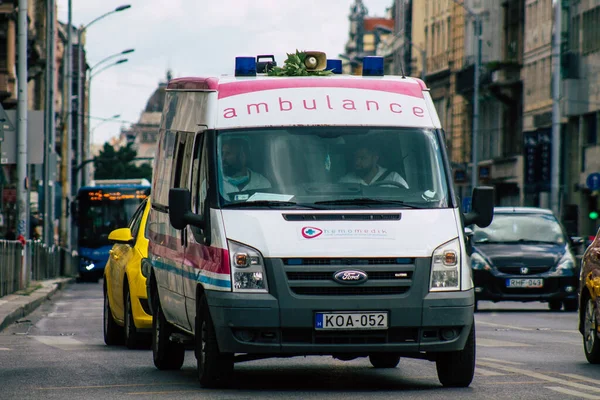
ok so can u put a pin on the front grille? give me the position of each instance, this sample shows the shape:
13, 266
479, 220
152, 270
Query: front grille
349, 290
311, 336
516, 270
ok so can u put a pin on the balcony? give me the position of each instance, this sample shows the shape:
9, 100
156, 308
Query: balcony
438, 66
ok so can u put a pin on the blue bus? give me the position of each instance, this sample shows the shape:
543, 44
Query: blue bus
101, 207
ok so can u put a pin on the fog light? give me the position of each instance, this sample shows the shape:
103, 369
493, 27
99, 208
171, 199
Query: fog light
244, 335
478, 289
449, 333
569, 289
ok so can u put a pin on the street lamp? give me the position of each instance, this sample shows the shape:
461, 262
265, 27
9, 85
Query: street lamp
477, 28
80, 88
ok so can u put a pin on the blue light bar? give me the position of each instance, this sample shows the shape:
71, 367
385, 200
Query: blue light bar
334, 66
372, 66
245, 66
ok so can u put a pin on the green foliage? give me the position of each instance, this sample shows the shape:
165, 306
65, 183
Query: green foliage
294, 66
120, 164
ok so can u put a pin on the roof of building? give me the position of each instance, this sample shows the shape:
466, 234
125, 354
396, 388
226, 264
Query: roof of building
370, 23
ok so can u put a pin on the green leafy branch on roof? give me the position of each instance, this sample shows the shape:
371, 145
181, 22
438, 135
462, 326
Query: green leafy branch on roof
294, 65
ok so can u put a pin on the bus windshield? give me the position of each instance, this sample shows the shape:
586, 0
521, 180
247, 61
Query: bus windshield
323, 167
102, 210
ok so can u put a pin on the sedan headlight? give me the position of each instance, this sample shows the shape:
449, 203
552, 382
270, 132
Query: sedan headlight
247, 269
445, 267
478, 263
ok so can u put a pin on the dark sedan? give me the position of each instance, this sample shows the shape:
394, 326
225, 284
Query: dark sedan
524, 255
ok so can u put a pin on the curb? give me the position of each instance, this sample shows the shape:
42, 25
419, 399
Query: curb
27, 304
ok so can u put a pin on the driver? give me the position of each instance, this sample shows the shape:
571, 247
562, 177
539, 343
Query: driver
366, 170
237, 176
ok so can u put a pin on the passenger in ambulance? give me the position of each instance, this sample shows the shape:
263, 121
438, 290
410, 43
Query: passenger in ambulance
237, 176
367, 170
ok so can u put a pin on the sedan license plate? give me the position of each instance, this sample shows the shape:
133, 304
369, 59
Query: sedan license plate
525, 283
351, 320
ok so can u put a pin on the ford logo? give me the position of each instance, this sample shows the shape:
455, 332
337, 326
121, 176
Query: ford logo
350, 277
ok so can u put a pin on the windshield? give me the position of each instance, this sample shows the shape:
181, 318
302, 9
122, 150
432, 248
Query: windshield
520, 228
322, 167
102, 211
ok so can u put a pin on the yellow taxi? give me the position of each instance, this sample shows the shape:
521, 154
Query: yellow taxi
126, 313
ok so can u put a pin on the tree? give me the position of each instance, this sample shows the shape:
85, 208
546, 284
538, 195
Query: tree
119, 163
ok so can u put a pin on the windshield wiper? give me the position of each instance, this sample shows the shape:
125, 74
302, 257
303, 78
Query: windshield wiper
367, 201
268, 203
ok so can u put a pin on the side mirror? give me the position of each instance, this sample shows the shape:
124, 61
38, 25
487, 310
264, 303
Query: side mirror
121, 235
482, 206
180, 210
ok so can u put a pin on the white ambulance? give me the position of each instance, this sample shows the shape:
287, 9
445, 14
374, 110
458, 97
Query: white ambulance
312, 215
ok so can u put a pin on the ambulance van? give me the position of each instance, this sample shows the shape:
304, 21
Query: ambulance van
308, 216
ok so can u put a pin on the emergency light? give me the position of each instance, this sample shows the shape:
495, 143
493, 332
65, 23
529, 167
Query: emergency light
245, 66
372, 66
334, 66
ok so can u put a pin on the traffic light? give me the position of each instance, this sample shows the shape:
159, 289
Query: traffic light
593, 215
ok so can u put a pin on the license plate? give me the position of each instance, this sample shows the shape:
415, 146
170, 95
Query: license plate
524, 283
351, 320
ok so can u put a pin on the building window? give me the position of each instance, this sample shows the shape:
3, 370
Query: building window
574, 34
591, 30
591, 128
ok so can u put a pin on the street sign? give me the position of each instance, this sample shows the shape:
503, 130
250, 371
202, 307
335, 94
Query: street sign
593, 181
466, 204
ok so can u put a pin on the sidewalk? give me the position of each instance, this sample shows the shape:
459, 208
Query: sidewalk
18, 305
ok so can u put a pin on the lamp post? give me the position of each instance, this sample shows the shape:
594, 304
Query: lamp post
89, 85
474, 134
80, 89
90, 141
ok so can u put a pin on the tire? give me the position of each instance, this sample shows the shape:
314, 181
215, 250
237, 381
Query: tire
554, 305
214, 367
456, 368
571, 305
113, 333
383, 360
133, 338
591, 343
167, 355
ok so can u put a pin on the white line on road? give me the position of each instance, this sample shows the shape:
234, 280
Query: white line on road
486, 372
60, 342
517, 328
575, 393
4, 349
539, 376
499, 343
499, 361
581, 378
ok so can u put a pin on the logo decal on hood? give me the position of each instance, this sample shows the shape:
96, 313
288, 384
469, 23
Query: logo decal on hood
309, 232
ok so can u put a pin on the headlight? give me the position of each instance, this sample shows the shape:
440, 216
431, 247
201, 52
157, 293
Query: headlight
566, 265
445, 267
479, 263
247, 269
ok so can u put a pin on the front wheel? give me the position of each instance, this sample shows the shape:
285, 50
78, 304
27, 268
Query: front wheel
113, 333
382, 360
214, 367
166, 354
456, 368
133, 338
591, 345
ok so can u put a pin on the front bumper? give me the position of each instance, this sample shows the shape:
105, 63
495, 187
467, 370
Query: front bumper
282, 322
493, 286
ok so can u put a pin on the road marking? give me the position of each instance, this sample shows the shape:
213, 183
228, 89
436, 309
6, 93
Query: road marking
4, 349
164, 392
485, 372
539, 376
112, 386
499, 343
517, 328
499, 361
575, 393
60, 342
581, 378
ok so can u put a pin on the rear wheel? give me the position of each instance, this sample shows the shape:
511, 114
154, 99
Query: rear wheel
571, 304
166, 354
456, 368
113, 333
383, 360
214, 367
555, 305
591, 344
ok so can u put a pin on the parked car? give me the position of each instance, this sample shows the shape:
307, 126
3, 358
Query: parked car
127, 316
525, 255
589, 291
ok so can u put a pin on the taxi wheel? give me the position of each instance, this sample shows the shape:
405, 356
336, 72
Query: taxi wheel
214, 367
166, 354
382, 360
133, 339
591, 344
456, 368
113, 333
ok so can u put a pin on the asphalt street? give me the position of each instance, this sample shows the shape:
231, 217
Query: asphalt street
524, 351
